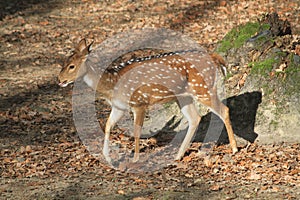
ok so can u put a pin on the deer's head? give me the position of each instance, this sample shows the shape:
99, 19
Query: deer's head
72, 68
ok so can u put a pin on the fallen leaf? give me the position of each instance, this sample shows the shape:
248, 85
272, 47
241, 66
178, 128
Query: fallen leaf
215, 187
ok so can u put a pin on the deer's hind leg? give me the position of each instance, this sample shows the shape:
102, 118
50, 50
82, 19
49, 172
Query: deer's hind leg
222, 111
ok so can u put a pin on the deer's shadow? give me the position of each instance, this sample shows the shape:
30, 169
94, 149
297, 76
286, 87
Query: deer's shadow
243, 110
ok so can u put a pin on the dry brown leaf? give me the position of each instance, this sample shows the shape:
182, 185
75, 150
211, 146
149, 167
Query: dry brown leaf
208, 162
215, 187
121, 192
254, 176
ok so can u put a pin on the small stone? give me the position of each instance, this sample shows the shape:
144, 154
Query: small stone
28, 149
22, 149
121, 192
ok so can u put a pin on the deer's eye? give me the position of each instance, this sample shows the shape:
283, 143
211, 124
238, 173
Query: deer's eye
71, 66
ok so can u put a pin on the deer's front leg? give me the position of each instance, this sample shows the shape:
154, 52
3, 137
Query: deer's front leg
139, 115
190, 113
114, 117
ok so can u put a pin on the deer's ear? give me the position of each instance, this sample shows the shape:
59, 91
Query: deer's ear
81, 45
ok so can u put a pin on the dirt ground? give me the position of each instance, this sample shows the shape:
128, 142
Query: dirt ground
41, 154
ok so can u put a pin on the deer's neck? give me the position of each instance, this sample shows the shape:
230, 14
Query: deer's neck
104, 83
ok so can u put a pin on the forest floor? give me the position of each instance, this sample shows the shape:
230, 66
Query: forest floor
41, 155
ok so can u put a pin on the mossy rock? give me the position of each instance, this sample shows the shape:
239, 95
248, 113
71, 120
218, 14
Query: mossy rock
278, 116
273, 68
238, 36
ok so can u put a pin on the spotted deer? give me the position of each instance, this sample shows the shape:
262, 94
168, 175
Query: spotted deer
142, 82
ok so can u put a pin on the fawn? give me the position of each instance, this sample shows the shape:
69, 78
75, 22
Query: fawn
161, 78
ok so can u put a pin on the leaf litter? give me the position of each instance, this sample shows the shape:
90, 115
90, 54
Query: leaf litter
41, 155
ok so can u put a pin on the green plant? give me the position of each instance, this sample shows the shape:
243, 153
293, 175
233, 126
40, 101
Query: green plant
263, 67
238, 36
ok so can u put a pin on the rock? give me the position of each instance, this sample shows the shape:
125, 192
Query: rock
278, 26
273, 69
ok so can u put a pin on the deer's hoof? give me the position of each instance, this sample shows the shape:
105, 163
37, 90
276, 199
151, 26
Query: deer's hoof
234, 150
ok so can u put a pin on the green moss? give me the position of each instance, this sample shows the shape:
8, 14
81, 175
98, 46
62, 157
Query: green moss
292, 72
263, 67
267, 89
294, 65
282, 87
264, 27
238, 36
273, 122
228, 75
